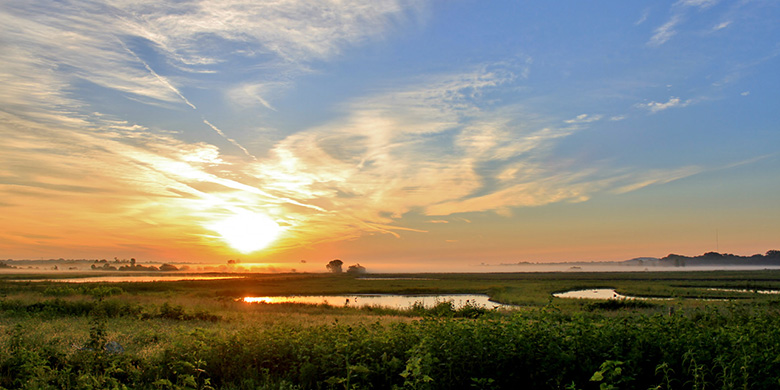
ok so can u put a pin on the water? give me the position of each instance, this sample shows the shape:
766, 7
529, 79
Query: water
597, 293
393, 278
134, 278
384, 300
745, 290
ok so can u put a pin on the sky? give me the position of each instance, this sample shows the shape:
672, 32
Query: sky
401, 135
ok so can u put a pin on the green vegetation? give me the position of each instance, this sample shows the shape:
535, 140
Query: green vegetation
196, 335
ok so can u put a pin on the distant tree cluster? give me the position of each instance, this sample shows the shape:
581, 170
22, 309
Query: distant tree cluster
103, 265
335, 266
715, 258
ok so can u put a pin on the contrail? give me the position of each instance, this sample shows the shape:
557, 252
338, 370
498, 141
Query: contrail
161, 79
231, 140
170, 86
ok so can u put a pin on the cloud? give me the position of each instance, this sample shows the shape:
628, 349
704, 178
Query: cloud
584, 118
679, 11
49, 47
642, 18
295, 31
657, 106
435, 148
253, 93
164, 81
665, 32
231, 140
436, 145
655, 177
722, 25
696, 3
87, 168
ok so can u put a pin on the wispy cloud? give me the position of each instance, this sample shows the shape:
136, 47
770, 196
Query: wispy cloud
164, 81
193, 34
722, 25
665, 32
655, 177
438, 144
659, 106
58, 153
296, 31
697, 3
642, 18
434, 148
584, 118
231, 140
679, 14
254, 93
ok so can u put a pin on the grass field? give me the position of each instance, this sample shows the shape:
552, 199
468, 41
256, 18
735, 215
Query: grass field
198, 335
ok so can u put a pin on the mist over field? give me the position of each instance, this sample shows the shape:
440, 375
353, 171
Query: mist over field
709, 261
404, 135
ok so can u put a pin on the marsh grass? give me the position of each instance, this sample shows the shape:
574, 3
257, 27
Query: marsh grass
196, 335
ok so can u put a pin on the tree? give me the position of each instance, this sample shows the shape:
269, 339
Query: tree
168, 267
334, 266
356, 269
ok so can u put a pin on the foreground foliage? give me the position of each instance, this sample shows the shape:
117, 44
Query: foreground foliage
196, 335
716, 348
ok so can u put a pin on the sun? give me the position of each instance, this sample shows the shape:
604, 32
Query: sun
247, 231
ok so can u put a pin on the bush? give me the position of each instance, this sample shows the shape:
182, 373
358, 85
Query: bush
617, 304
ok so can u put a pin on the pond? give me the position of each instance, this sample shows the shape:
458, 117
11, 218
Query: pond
608, 293
132, 278
596, 293
385, 300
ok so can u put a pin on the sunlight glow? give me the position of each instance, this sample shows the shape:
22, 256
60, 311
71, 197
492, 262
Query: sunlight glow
247, 231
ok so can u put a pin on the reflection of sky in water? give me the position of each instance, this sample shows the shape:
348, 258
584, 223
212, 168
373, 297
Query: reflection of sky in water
136, 278
386, 300
608, 293
597, 293
746, 290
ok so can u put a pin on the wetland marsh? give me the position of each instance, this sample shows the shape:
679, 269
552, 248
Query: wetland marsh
694, 330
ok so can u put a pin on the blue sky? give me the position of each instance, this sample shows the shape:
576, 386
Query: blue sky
394, 132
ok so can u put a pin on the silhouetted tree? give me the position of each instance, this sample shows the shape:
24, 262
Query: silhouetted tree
168, 267
356, 269
334, 266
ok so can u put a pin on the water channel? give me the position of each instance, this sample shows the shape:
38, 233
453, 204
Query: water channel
384, 300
